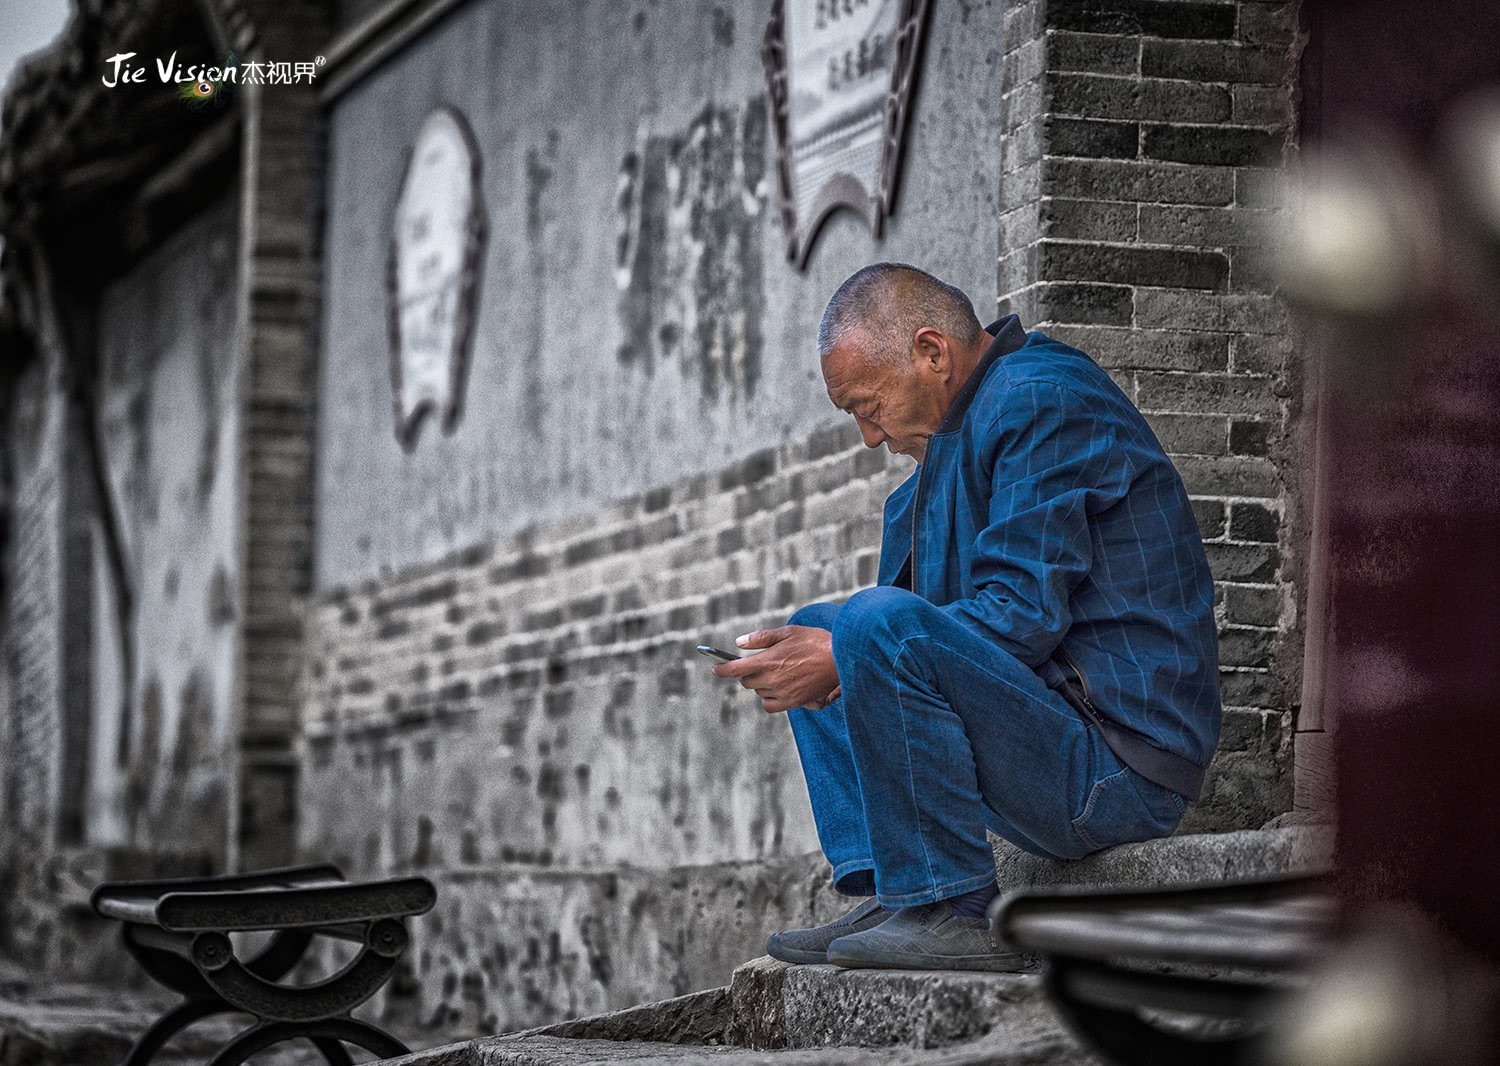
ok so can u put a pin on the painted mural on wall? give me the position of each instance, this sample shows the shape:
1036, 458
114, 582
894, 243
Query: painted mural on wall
437, 243
688, 255
841, 74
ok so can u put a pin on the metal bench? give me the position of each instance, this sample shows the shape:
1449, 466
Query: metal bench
178, 930
1162, 977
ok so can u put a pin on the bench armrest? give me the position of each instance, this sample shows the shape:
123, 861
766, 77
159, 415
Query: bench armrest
135, 901
295, 908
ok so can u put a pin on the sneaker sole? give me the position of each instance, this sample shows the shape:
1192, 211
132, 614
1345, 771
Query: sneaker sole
1005, 962
796, 955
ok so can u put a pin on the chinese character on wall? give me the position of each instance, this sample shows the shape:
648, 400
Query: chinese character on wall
840, 74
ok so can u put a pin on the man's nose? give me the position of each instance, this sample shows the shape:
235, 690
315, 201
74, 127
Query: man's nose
870, 432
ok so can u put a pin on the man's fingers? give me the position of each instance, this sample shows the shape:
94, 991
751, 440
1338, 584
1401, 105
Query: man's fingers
775, 706
737, 668
762, 638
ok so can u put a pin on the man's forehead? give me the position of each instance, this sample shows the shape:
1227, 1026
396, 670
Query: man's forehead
846, 374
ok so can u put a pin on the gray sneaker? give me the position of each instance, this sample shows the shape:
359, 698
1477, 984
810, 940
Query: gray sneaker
811, 945
928, 937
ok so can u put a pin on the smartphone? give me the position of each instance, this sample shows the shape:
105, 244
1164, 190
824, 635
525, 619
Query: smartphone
717, 653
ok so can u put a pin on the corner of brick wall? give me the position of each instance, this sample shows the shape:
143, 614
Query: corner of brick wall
1141, 181
281, 266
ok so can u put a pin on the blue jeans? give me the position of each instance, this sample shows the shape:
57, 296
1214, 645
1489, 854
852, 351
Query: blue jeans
939, 734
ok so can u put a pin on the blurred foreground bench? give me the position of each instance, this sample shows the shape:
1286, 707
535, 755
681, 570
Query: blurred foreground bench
179, 931
1173, 976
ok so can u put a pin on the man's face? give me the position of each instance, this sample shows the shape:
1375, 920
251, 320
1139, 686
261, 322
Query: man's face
900, 407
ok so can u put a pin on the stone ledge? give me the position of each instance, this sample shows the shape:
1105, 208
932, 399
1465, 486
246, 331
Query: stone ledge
697, 1018
1175, 860
1046, 1046
777, 1005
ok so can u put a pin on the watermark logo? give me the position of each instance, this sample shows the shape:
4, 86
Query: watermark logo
208, 91
201, 84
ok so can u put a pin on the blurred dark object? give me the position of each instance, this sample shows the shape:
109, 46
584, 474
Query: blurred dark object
178, 930
1410, 671
1398, 991
1156, 977
1403, 670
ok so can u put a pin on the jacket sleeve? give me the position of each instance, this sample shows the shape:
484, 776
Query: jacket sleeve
1056, 461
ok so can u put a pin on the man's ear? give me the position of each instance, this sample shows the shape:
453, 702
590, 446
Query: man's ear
931, 349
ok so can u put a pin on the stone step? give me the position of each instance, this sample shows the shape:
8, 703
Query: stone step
1051, 1047
775, 1013
777, 1005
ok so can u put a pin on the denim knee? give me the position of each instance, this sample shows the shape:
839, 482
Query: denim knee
872, 616
816, 615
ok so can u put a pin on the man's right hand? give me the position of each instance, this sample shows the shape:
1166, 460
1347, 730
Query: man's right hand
795, 669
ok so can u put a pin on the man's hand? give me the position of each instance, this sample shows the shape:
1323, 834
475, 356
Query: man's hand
795, 670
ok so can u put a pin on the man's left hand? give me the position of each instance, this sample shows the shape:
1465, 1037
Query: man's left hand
796, 668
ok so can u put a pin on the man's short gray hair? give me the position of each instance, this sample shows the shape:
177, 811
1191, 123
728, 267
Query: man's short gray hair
887, 303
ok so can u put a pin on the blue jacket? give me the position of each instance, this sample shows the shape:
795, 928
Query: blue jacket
1047, 518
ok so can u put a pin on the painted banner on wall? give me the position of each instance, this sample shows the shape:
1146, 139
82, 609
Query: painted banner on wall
840, 74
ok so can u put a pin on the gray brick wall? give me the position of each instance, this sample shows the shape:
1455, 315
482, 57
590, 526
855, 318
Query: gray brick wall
29, 743
527, 723
280, 261
1147, 136
529, 717
537, 699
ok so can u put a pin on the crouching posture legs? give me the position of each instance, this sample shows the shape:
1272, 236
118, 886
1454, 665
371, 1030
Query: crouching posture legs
938, 734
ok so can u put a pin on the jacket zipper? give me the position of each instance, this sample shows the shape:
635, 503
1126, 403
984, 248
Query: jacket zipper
916, 517
1082, 681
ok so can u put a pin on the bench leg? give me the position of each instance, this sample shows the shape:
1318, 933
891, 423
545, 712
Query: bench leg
1125, 1037
170, 1024
329, 1031
333, 1051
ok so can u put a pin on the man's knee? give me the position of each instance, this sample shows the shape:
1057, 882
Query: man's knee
877, 617
816, 615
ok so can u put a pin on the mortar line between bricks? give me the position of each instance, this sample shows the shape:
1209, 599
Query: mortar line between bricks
1265, 127
1151, 77
1259, 501
1138, 245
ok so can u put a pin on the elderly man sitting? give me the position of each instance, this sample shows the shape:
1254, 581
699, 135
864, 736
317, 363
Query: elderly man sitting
1039, 656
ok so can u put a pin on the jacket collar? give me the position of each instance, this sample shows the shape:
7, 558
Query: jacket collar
1008, 337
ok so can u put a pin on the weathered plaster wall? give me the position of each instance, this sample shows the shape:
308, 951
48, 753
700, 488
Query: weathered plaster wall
169, 411
637, 318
